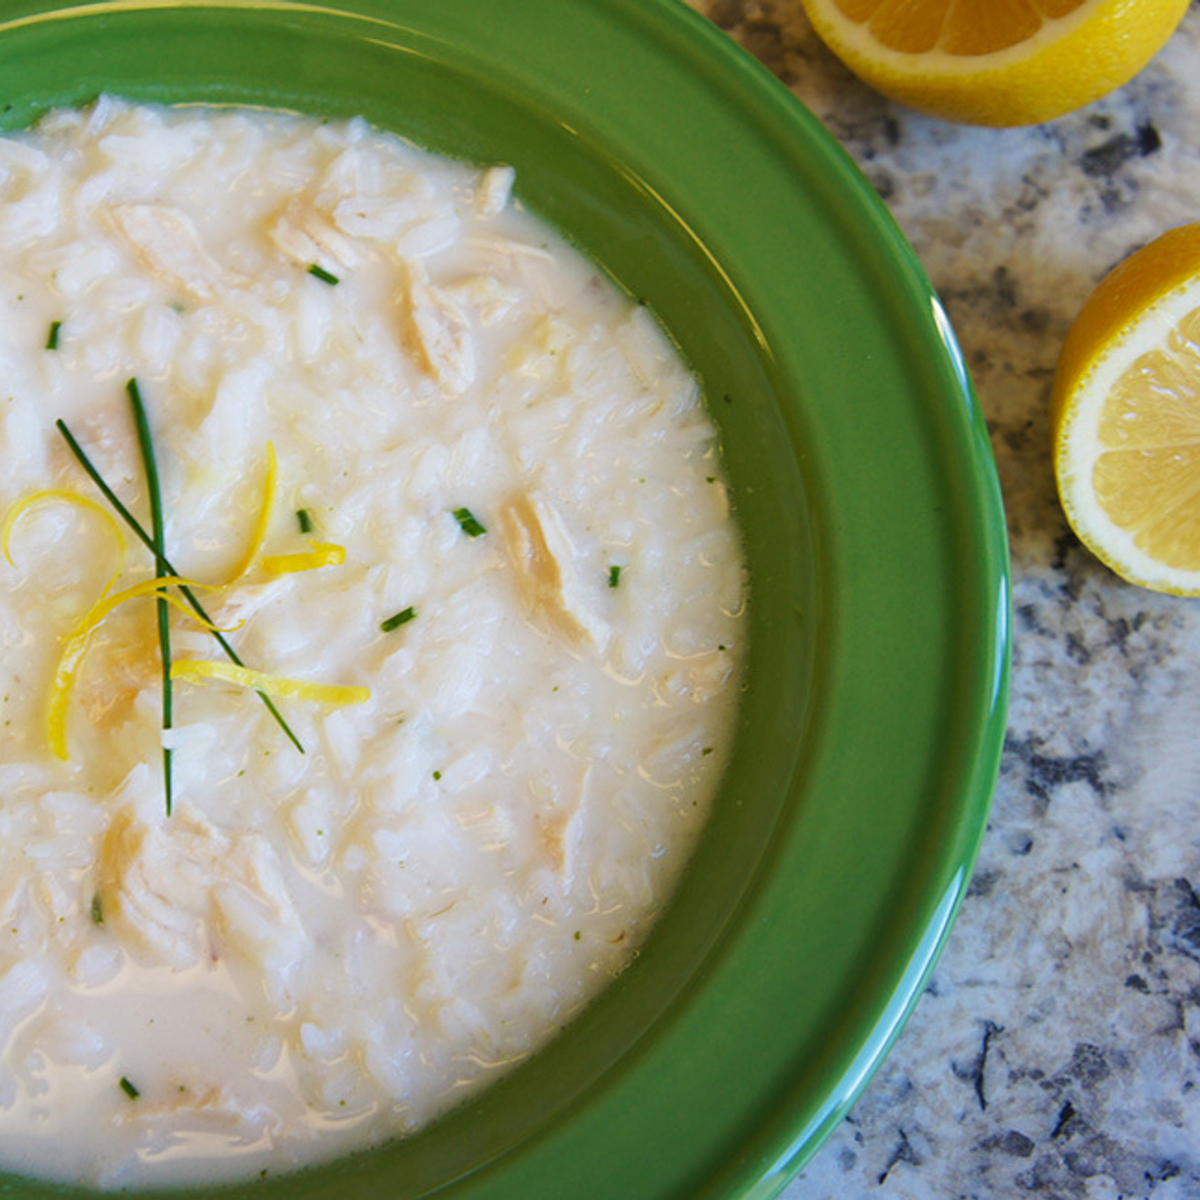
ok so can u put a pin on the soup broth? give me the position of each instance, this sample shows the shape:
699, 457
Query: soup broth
454, 503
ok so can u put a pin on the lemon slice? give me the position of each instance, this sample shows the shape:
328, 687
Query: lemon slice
995, 62
1125, 412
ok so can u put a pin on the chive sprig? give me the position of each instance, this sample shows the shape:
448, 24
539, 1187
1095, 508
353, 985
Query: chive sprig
469, 523
158, 536
401, 618
166, 568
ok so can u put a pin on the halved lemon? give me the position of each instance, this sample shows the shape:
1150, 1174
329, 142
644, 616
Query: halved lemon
1125, 417
995, 62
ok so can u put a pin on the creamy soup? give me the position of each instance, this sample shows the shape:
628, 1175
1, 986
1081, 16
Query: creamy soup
454, 504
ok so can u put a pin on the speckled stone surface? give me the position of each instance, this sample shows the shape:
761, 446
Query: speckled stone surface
1056, 1052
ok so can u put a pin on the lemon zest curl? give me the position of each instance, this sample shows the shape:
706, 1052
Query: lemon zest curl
333, 695
322, 554
76, 643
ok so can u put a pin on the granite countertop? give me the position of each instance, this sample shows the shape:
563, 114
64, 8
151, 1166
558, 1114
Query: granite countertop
1056, 1051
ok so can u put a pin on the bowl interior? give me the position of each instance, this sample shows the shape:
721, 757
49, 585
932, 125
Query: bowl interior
870, 724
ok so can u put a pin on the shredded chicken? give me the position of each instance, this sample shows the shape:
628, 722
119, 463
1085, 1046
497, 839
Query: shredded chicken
439, 333
491, 299
560, 816
176, 892
210, 1108
108, 692
167, 241
560, 832
310, 236
547, 571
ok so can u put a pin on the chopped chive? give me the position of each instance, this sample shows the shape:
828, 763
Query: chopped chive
466, 519
129, 1089
304, 520
135, 525
150, 466
52, 339
614, 576
97, 910
323, 275
401, 618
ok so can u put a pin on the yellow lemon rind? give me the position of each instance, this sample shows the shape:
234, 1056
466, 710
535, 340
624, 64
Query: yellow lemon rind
331, 694
258, 534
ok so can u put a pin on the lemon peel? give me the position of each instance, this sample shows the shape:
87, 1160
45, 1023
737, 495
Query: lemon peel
62, 496
76, 643
259, 534
334, 695
322, 554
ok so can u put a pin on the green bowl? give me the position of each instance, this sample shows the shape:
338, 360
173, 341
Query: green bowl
870, 729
